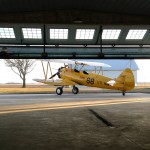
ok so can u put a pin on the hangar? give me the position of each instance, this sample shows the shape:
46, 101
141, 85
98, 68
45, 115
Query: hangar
97, 29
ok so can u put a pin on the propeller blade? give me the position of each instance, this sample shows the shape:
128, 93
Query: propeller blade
53, 75
58, 73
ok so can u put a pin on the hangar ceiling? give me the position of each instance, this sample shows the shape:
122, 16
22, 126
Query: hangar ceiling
96, 20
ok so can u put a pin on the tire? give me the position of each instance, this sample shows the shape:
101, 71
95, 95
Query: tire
59, 91
75, 90
123, 93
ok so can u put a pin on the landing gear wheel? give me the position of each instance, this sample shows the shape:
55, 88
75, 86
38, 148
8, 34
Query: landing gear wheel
75, 90
59, 91
123, 93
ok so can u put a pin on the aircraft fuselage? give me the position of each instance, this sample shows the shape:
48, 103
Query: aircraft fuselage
88, 79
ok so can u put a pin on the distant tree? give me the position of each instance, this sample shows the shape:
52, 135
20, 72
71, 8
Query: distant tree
21, 67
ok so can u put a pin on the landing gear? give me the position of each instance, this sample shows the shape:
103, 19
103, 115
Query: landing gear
123, 93
75, 90
59, 90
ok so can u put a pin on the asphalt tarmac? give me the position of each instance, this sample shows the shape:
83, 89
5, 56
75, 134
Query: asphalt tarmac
75, 122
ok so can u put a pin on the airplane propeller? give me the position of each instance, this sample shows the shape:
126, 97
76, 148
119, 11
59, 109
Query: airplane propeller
57, 73
53, 75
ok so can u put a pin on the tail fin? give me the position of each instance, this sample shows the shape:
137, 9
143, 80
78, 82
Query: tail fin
125, 80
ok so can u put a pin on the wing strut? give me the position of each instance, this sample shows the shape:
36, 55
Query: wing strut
50, 70
45, 72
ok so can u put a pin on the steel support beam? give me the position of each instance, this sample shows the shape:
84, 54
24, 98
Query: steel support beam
76, 53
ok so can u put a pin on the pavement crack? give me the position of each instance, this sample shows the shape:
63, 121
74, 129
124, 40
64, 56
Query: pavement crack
109, 124
104, 120
130, 140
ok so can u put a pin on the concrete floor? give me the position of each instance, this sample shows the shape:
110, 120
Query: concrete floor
67, 122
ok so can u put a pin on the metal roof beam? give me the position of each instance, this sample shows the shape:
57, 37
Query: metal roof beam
76, 53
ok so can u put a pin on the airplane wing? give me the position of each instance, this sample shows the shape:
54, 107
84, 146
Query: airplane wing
69, 82
64, 82
92, 63
51, 82
67, 61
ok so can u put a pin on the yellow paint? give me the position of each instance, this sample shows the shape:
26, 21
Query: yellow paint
69, 76
124, 82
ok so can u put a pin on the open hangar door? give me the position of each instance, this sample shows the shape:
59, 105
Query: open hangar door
96, 30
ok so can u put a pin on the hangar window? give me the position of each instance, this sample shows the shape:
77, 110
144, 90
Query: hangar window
111, 34
32, 33
58, 33
136, 34
85, 34
7, 33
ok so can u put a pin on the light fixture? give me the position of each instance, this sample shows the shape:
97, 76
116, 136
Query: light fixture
78, 20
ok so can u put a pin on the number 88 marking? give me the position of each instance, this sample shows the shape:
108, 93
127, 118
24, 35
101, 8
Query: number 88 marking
90, 80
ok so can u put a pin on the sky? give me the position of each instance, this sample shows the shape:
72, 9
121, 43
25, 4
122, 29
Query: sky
8, 76
143, 74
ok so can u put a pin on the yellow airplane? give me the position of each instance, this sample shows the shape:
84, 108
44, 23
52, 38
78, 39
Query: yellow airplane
70, 76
